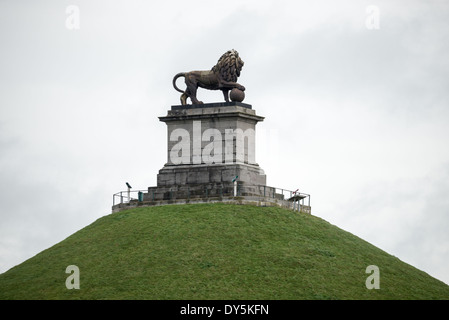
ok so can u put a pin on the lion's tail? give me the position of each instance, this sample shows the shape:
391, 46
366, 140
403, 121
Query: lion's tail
181, 74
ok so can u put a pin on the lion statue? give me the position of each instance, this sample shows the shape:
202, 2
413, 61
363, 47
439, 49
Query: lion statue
222, 76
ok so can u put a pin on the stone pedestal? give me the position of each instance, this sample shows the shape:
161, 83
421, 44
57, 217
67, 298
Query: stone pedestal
209, 145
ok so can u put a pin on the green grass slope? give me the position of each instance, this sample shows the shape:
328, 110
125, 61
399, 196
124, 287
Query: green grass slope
215, 251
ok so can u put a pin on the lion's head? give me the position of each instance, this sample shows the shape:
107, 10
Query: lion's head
229, 66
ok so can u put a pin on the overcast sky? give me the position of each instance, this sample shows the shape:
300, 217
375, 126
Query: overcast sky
354, 94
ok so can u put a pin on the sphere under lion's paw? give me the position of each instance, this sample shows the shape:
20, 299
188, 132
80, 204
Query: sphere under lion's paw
237, 95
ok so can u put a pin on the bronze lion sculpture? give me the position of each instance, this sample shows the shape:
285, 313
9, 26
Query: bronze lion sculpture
222, 76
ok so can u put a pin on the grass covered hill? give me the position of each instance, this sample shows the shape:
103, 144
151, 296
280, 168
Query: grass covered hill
215, 251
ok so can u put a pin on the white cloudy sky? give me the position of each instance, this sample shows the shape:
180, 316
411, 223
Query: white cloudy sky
357, 117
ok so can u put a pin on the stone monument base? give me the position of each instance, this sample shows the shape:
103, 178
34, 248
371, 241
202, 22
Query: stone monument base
196, 180
210, 174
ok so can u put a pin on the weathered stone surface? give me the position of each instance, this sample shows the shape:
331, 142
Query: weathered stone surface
204, 174
207, 147
216, 133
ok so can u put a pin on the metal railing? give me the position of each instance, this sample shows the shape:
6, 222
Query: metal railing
127, 196
207, 192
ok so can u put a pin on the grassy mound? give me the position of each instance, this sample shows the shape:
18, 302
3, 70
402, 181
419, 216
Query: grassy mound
215, 251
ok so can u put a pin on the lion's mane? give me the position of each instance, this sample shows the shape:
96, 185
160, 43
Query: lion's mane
228, 66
